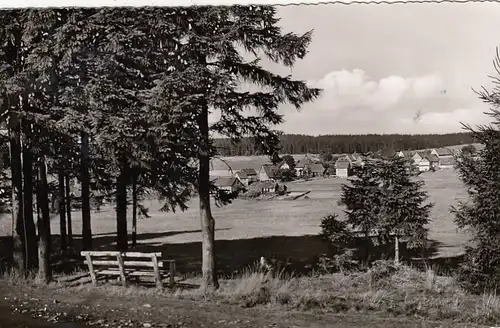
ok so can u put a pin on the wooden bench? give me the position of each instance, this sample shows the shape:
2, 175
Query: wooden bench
128, 264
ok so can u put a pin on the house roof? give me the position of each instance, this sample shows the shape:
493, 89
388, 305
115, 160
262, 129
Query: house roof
249, 172
303, 162
242, 175
316, 168
407, 153
267, 184
432, 158
224, 181
447, 161
269, 169
342, 163
444, 152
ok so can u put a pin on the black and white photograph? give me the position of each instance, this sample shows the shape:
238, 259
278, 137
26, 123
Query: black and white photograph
332, 165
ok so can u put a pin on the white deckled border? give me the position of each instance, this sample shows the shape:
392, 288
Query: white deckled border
5, 4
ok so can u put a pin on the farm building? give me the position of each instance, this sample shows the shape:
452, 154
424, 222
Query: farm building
315, 170
228, 184
267, 187
424, 164
342, 167
267, 172
247, 176
299, 167
442, 152
447, 163
433, 160
405, 153
446, 157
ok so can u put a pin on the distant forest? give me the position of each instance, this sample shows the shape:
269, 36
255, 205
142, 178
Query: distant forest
338, 144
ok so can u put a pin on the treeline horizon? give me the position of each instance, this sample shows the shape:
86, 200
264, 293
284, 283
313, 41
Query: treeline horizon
346, 143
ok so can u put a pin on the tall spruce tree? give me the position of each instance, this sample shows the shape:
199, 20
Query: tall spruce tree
212, 67
480, 214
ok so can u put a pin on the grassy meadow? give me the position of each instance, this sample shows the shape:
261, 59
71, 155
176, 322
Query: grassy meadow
248, 229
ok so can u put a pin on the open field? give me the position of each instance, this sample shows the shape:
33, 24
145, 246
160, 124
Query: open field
248, 229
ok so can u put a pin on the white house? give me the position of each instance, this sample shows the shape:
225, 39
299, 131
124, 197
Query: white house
299, 167
342, 166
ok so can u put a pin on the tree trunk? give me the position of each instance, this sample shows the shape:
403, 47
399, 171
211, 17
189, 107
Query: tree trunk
68, 210
44, 269
85, 181
18, 249
134, 210
121, 211
396, 250
207, 221
29, 222
62, 211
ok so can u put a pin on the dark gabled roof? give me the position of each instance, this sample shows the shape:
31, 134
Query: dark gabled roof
303, 162
316, 168
444, 152
224, 181
249, 172
270, 170
342, 163
432, 158
242, 175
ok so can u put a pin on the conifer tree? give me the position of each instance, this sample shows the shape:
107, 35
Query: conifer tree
213, 68
480, 215
406, 210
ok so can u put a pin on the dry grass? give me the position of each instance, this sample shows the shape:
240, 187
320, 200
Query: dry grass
404, 292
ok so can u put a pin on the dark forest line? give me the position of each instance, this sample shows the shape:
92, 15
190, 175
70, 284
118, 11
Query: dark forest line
302, 144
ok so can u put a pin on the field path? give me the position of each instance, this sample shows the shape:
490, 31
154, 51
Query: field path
156, 311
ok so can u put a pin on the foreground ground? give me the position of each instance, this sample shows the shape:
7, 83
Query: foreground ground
405, 298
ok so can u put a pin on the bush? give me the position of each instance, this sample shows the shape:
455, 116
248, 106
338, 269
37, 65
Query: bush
339, 238
335, 232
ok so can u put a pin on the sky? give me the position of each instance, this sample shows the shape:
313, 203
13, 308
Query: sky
380, 65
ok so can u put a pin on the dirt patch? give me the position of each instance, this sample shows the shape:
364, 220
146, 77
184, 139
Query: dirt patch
96, 307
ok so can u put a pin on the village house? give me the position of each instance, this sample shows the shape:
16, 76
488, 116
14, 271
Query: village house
442, 152
315, 170
423, 162
267, 187
405, 153
446, 158
267, 172
299, 167
447, 163
247, 176
229, 184
342, 167
434, 161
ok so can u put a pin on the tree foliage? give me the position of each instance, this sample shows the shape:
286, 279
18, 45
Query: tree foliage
480, 215
385, 200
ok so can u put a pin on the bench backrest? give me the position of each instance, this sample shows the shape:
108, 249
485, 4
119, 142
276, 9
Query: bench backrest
127, 259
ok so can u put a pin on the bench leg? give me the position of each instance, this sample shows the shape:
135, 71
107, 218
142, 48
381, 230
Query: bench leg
172, 274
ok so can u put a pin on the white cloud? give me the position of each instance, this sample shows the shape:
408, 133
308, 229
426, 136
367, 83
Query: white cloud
356, 87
